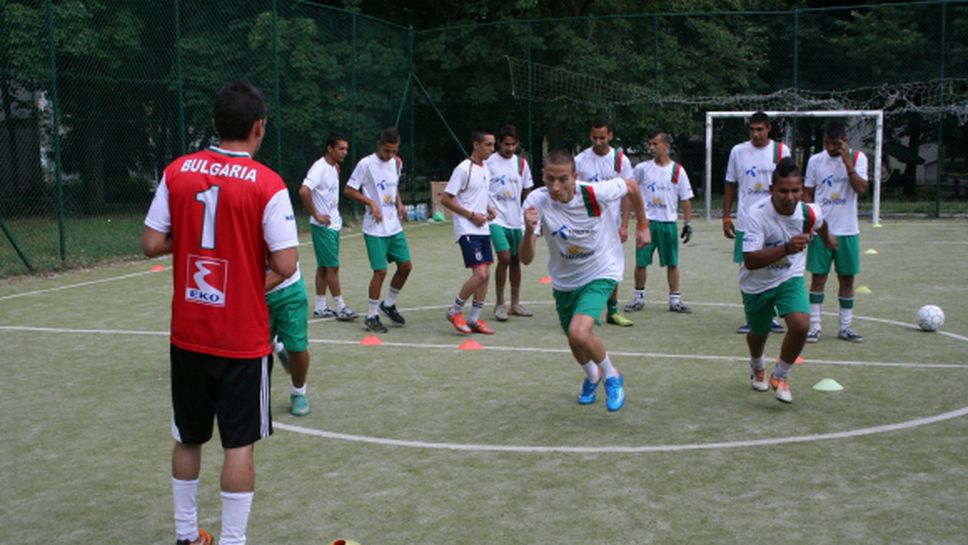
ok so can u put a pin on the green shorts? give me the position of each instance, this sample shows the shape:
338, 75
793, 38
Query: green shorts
326, 245
788, 297
288, 313
589, 299
505, 239
846, 259
738, 247
382, 250
664, 238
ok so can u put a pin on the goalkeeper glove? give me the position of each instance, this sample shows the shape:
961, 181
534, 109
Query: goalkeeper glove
686, 233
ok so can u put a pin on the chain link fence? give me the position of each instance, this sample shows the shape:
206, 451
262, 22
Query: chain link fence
98, 96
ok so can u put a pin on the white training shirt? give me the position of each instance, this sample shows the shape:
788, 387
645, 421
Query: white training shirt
662, 188
767, 228
469, 186
379, 180
752, 169
833, 192
581, 234
323, 181
509, 177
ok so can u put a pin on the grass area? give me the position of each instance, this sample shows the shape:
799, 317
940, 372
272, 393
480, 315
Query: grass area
85, 399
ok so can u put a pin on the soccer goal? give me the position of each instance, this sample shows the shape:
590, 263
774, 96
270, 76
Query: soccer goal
875, 116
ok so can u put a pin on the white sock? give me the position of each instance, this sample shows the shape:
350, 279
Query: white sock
391, 298
782, 369
607, 368
592, 372
846, 317
297, 391
340, 303
758, 363
815, 315
372, 307
235, 517
639, 294
186, 511
476, 308
457, 307
321, 302
674, 298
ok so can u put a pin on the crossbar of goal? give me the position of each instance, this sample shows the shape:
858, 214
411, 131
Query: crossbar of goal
877, 115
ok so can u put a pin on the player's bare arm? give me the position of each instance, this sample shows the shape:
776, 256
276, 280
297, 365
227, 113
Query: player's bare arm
155, 243
729, 195
401, 210
283, 262
626, 208
857, 182
306, 196
358, 196
828, 238
491, 213
528, 241
766, 256
450, 202
642, 235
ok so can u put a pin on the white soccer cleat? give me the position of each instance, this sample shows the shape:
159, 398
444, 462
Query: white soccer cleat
758, 380
782, 388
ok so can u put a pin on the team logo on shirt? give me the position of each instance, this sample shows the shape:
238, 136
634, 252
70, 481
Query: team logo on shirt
207, 279
577, 252
779, 264
565, 232
834, 199
751, 172
382, 184
656, 202
595, 178
388, 200
758, 187
828, 181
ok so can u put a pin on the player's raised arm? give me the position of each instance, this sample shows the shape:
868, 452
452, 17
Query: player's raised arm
642, 235
528, 241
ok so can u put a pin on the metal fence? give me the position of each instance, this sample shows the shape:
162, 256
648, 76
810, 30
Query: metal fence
99, 96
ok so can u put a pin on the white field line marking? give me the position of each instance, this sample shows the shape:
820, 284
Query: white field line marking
626, 449
81, 284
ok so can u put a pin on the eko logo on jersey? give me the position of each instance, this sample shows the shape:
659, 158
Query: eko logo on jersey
207, 279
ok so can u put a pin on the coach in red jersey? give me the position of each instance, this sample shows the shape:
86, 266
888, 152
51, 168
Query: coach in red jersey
220, 214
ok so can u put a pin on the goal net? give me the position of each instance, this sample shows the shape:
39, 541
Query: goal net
865, 132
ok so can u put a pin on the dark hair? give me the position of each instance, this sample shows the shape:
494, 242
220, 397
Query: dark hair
335, 138
835, 129
600, 122
560, 157
389, 135
238, 106
785, 168
478, 134
508, 130
760, 117
656, 132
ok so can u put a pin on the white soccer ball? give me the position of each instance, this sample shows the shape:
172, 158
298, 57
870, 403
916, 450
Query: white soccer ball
930, 318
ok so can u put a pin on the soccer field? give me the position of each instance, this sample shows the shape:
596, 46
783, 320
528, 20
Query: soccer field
416, 441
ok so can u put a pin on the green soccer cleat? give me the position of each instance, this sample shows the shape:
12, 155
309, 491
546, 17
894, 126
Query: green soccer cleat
617, 319
300, 405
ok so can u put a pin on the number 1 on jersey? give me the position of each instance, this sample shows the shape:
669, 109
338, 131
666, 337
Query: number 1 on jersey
209, 198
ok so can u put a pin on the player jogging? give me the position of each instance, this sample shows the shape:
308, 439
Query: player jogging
466, 195
748, 176
319, 193
835, 178
510, 183
220, 213
576, 220
288, 329
602, 162
374, 183
777, 232
662, 183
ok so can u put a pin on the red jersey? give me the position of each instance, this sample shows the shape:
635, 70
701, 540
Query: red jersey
225, 212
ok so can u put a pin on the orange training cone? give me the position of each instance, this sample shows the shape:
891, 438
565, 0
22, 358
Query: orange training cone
157, 268
545, 279
371, 340
470, 345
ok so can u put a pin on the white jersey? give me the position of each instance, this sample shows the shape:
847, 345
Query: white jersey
581, 236
662, 188
767, 228
833, 192
379, 180
751, 168
469, 186
323, 182
509, 177
296, 277
594, 168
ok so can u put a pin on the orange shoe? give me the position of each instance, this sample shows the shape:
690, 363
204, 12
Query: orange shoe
782, 388
459, 323
202, 539
480, 326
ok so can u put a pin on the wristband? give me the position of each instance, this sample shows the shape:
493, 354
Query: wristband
851, 173
786, 248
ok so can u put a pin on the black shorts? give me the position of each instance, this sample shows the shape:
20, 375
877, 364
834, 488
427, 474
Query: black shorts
476, 250
234, 390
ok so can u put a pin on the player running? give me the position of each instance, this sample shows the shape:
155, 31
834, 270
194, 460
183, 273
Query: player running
663, 183
778, 231
510, 183
374, 183
835, 178
748, 176
602, 162
578, 223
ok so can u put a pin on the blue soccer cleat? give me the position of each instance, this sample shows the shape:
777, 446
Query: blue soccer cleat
614, 393
587, 395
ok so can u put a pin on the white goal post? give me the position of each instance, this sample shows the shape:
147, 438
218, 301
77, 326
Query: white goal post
876, 115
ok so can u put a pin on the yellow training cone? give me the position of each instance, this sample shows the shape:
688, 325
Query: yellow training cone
872, 251
877, 225
862, 289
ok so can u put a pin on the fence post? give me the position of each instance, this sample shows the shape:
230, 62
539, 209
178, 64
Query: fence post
655, 57
796, 77
940, 176
275, 65
531, 95
55, 102
181, 80
353, 93
413, 137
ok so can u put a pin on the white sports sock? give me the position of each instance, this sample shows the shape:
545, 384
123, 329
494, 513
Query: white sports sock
457, 307
846, 317
321, 302
372, 307
391, 298
782, 369
340, 303
235, 517
675, 298
298, 391
607, 369
186, 510
476, 308
592, 372
758, 363
815, 315
639, 294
